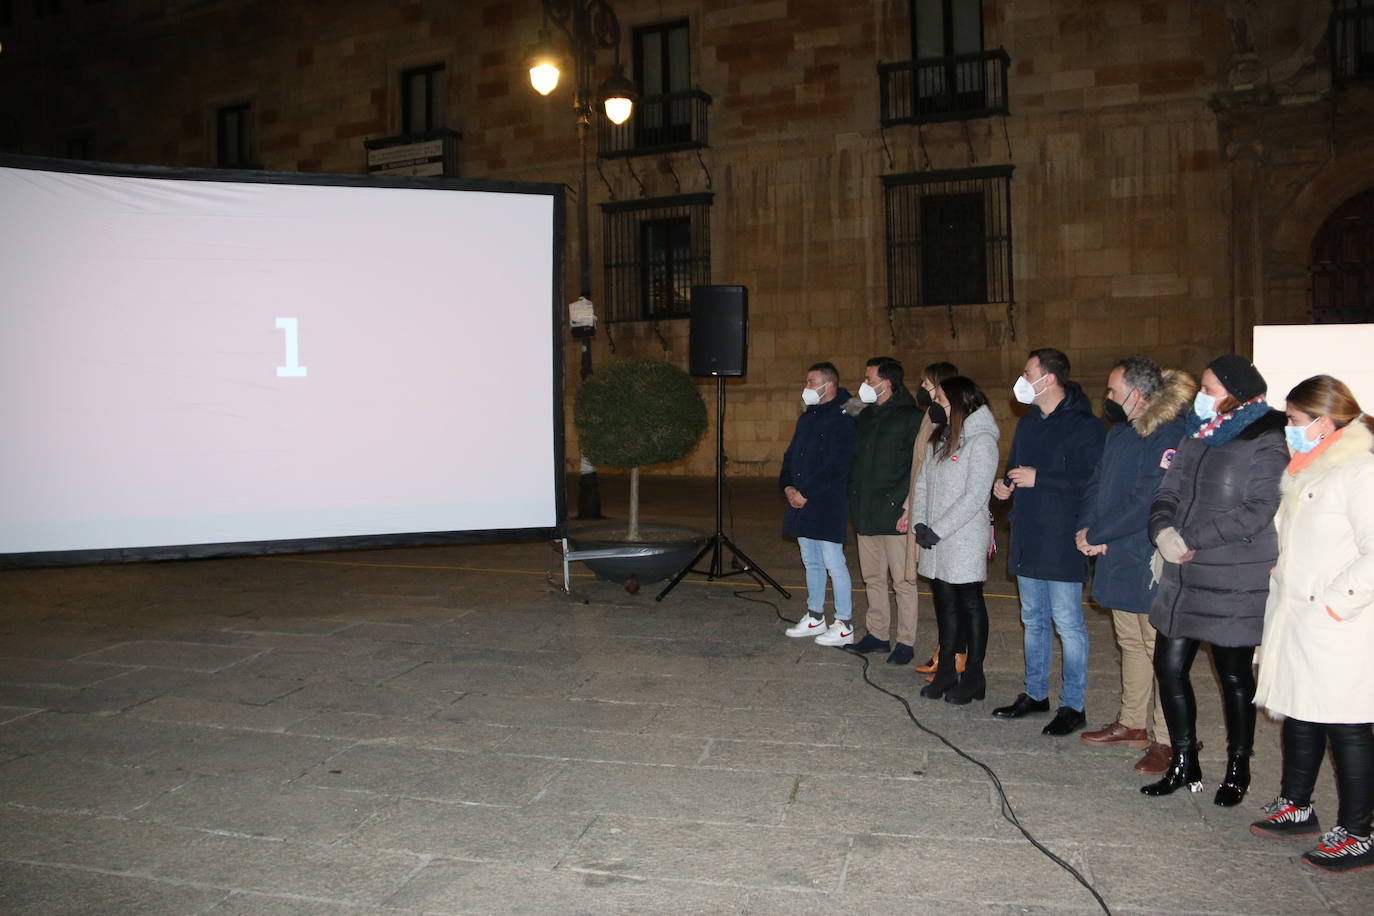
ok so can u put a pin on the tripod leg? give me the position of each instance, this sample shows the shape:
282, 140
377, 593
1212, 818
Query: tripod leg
686, 569
752, 569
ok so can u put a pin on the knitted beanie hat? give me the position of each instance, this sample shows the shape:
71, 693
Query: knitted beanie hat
1238, 374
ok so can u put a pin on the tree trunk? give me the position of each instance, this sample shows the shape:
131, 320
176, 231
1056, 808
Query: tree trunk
633, 533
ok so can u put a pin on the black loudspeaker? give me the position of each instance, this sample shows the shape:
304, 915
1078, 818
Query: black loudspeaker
719, 332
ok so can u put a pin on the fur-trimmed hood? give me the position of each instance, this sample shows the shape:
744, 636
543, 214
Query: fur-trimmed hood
1355, 440
1172, 399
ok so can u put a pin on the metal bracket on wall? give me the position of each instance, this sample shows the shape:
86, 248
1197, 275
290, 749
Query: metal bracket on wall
921, 142
668, 162
882, 135
953, 331
643, 192
609, 190
610, 339
968, 141
704, 168
1006, 136
892, 324
1011, 320
659, 334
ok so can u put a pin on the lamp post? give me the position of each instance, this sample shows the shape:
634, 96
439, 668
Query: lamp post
589, 26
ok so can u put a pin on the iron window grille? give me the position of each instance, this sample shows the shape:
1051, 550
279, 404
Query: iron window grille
1352, 41
655, 252
234, 140
949, 237
670, 114
423, 98
1342, 266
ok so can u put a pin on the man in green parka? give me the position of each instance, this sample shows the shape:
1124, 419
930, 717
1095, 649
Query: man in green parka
887, 425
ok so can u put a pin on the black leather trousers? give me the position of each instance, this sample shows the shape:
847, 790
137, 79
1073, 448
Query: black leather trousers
1352, 750
1173, 661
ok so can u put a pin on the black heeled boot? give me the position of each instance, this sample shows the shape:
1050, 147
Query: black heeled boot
1236, 781
1184, 770
973, 626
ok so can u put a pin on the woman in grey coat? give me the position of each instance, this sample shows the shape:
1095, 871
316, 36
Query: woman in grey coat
949, 517
1212, 523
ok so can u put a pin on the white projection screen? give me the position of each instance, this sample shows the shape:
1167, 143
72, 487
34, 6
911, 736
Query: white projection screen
199, 363
1287, 354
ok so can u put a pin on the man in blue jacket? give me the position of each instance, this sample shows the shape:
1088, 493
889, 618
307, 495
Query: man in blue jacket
1053, 453
1148, 409
815, 482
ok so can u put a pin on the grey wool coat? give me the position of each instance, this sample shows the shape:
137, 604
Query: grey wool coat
951, 499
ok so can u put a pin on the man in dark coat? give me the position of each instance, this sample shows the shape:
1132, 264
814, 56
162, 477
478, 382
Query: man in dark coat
1148, 410
815, 482
1053, 454
878, 487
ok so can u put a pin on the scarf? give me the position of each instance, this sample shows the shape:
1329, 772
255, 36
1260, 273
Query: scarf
1222, 428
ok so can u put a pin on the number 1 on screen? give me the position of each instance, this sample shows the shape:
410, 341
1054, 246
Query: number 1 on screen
293, 367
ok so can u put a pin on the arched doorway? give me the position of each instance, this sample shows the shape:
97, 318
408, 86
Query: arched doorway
1342, 263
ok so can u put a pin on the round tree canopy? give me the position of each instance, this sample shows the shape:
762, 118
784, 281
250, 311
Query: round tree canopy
638, 411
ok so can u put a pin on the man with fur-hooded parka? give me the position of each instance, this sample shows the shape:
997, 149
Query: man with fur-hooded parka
1116, 506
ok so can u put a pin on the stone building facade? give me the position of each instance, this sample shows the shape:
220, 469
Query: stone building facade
930, 179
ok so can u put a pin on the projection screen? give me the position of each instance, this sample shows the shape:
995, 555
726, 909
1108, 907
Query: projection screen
200, 363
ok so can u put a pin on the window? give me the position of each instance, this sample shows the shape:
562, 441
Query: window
1343, 263
655, 252
950, 76
948, 237
664, 76
423, 99
234, 137
80, 148
1352, 41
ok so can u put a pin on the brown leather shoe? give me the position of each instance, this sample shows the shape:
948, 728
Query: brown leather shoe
1156, 760
930, 666
960, 662
1116, 733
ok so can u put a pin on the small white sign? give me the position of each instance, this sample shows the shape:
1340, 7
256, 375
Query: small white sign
581, 313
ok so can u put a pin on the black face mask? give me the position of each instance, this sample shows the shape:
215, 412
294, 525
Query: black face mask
923, 399
1113, 412
937, 414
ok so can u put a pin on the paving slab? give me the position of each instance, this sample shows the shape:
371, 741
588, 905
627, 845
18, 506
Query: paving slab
483, 778
182, 656
518, 835
71, 784
117, 844
43, 890
255, 755
433, 733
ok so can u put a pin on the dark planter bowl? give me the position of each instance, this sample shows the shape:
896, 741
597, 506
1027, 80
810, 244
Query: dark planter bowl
660, 552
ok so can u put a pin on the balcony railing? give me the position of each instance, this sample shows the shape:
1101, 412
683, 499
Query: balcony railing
956, 88
660, 124
1352, 42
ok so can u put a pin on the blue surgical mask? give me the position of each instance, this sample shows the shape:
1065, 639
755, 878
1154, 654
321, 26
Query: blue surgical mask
1205, 406
1297, 438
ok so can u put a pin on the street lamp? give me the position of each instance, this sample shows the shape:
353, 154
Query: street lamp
589, 26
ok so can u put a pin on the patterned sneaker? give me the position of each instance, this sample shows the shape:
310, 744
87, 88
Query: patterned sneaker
1283, 818
1338, 851
810, 625
841, 633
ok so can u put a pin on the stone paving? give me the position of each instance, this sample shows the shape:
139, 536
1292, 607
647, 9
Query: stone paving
441, 730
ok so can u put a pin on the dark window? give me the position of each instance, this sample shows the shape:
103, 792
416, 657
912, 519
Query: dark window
948, 237
1343, 263
655, 252
42, 9
234, 137
422, 99
663, 74
80, 148
1352, 41
940, 31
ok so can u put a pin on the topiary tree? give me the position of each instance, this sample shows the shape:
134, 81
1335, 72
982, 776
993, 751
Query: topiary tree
635, 412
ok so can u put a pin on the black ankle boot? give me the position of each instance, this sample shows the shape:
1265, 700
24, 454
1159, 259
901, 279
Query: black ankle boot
1184, 770
945, 678
971, 686
1236, 781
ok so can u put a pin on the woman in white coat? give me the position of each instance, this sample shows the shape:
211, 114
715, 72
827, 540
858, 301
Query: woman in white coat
1317, 659
949, 515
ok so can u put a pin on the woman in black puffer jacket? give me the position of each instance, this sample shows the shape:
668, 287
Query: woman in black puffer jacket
1212, 523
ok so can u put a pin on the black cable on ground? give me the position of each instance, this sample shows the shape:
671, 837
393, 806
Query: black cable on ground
1008, 813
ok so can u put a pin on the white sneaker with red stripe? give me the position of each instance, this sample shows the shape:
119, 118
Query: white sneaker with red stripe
1338, 851
1283, 819
810, 625
840, 633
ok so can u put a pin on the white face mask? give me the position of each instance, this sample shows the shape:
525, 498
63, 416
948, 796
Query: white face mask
811, 397
867, 393
1205, 406
1024, 390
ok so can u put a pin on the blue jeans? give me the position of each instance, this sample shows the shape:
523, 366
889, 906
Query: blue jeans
1044, 601
820, 558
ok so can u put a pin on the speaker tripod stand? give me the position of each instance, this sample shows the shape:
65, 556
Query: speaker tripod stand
739, 562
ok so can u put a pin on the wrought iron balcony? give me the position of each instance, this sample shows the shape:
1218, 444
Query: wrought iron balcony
660, 124
957, 88
1352, 42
